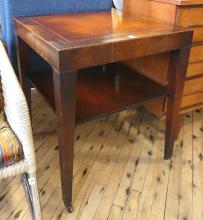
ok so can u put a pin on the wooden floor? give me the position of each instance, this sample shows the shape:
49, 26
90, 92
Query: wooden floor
119, 171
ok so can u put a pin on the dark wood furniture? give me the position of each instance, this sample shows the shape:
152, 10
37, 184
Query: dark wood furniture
187, 13
72, 43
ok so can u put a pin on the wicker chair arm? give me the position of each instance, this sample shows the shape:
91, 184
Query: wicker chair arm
16, 109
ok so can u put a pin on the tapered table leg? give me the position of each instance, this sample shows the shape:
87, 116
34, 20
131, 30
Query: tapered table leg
65, 101
23, 55
176, 73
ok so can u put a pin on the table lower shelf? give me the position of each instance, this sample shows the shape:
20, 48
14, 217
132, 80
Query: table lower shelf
100, 92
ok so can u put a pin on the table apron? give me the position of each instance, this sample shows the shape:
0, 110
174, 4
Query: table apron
99, 54
79, 57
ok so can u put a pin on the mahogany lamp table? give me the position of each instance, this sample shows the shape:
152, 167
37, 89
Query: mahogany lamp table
71, 42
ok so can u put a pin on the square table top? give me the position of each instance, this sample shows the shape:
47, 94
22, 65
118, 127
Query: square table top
67, 32
86, 28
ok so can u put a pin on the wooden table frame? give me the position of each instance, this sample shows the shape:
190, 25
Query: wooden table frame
66, 61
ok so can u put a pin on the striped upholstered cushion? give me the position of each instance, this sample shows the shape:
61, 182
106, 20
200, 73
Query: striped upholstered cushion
11, 150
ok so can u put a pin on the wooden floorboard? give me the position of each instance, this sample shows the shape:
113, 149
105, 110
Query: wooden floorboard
119, 170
